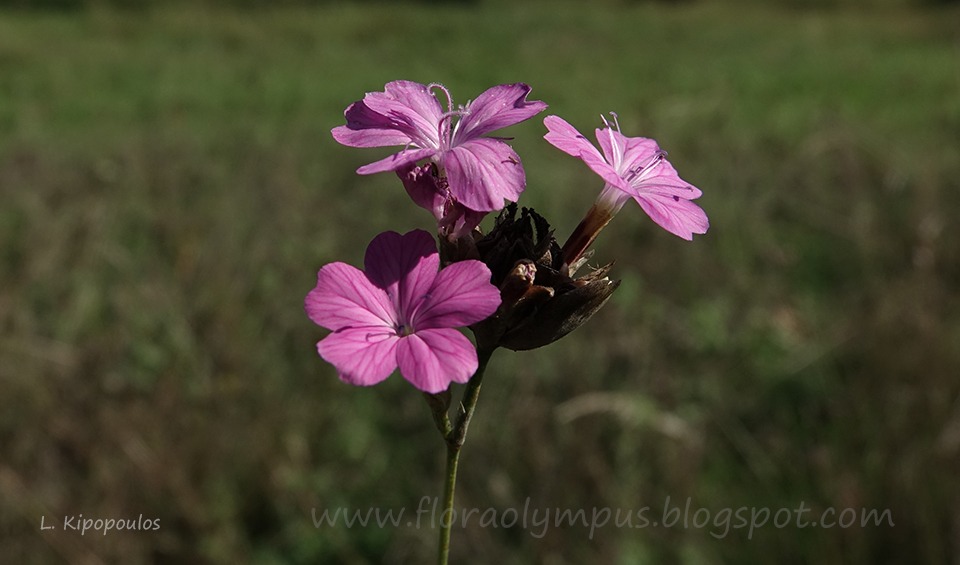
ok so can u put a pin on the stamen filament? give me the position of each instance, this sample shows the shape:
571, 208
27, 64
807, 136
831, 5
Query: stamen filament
446, 93
638, 172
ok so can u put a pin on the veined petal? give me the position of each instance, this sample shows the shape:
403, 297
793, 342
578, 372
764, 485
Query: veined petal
405, 266
662, 178
566, 138
396, 161
412, 106
482, 173
432, 359
680, 217
461, 295
366, 128
362, 355
345, 297
496, 108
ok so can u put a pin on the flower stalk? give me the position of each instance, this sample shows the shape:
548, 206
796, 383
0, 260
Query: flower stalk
454, 436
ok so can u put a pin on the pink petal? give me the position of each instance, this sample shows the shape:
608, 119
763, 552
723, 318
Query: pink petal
674, 214
628, 153
662, 178
498, 107
366, 128
566, 138
458, 221
396, 161
413, 108
362, 356
432, 359
420, 183
344, 297
405, 266
461, 295
482, 173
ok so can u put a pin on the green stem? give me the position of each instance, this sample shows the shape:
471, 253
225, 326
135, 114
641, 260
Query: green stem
446, 516
469, 401
454, 439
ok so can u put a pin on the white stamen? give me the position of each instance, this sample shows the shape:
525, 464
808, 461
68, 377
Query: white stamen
615, 147
638, 173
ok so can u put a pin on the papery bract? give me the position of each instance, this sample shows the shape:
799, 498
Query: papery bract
401, 312
633, 167
482, 172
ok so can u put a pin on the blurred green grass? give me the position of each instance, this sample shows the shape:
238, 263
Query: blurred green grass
170, 188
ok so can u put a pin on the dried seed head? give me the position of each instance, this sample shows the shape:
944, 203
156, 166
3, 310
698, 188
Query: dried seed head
541, 302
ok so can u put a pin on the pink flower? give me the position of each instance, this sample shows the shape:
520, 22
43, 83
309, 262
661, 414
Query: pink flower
401, 312
631, 167
481, 171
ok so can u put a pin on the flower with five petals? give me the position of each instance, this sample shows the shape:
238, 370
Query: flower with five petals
481, 171
401, 312
631, 167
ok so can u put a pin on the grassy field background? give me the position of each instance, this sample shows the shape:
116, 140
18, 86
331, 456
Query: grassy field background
170, 187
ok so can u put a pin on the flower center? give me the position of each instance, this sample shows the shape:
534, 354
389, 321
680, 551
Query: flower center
446, 128
639, 172
403, 330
